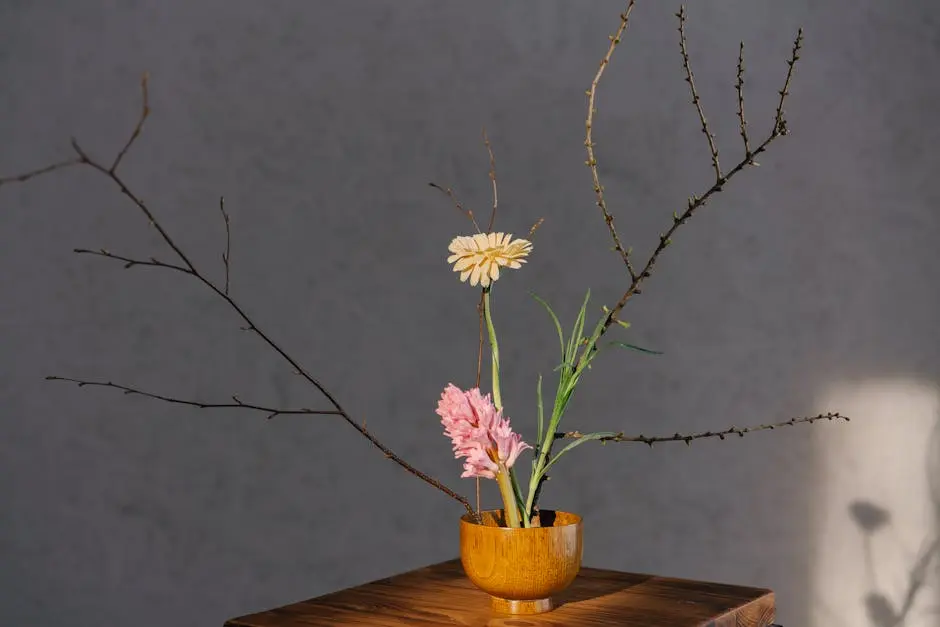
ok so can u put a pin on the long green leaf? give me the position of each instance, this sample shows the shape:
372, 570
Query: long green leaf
587, 437
635, 348
577, 332
538, 390
561, 336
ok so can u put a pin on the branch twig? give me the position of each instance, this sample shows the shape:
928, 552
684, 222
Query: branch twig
780, 123
227, 255
450, 194
690, 79
189, 268
130, 262
678, 437
589, 141
739, 87
489, 151
22, 178
237, 404
144, 112
696, 202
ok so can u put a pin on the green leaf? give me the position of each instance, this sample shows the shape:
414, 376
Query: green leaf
561, 337
587, 437
538, 390
577, 332
636, 348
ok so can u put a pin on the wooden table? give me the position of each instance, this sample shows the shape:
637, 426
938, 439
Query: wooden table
442, 595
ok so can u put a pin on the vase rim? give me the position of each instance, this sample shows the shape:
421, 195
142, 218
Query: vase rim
569, 519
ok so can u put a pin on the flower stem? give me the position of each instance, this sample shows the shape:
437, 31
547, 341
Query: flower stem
494, 348
510, 507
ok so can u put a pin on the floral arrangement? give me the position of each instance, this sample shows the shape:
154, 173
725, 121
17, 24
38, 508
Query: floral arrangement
477, 423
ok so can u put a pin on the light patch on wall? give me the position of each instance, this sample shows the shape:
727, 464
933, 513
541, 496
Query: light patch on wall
876, 558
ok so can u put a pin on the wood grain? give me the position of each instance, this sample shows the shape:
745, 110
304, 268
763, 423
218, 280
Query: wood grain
441, 595
523, 569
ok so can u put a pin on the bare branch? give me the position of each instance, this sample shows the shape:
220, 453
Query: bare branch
695, 97
678, 437
130, 262
739, 87
22, 178
696, 202
237, 404
450, 194
188, 268
589, 141
227, 255
780, 123
144, 112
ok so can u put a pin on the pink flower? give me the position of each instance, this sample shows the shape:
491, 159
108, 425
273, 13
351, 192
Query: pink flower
479, 432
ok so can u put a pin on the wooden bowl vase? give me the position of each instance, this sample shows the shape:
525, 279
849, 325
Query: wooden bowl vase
521, 569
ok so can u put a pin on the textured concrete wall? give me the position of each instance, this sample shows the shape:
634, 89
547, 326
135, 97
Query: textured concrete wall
809, 283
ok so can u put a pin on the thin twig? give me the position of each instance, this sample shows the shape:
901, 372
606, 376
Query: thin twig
489, 150
237, 404
780, 122
739, 87
130, 262
227, 255
589, 141
535, 227
678, 437
696, 202
695, 97
189, 268
450, 194
144, 112
21, 178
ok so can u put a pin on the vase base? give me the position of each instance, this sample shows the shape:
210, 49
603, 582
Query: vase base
522, 608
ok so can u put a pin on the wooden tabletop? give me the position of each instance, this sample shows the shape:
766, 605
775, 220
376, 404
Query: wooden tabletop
442, 595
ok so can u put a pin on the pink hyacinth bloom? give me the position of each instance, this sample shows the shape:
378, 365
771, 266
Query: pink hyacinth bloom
479, 432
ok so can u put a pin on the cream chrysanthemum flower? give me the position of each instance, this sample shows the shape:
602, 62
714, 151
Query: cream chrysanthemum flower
479, 257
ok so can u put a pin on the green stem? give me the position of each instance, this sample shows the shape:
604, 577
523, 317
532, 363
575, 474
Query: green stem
509, 496
494, 348
520, 501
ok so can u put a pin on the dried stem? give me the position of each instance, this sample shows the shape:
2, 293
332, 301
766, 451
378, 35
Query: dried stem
678, 437
696, 202
189, 268
237, 404
22, 178
489, 151
450, 194
144, 112
690, 79
739, 87
130, 262
227, 255
589, 141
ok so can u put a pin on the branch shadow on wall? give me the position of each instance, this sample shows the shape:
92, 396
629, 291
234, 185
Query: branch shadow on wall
893, 603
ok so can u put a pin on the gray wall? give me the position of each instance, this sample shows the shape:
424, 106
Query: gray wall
322, 124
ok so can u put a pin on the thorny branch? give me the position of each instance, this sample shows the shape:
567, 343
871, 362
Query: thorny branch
589, 141
690, 79
694, 202
187, 267
678, 437
739, 87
